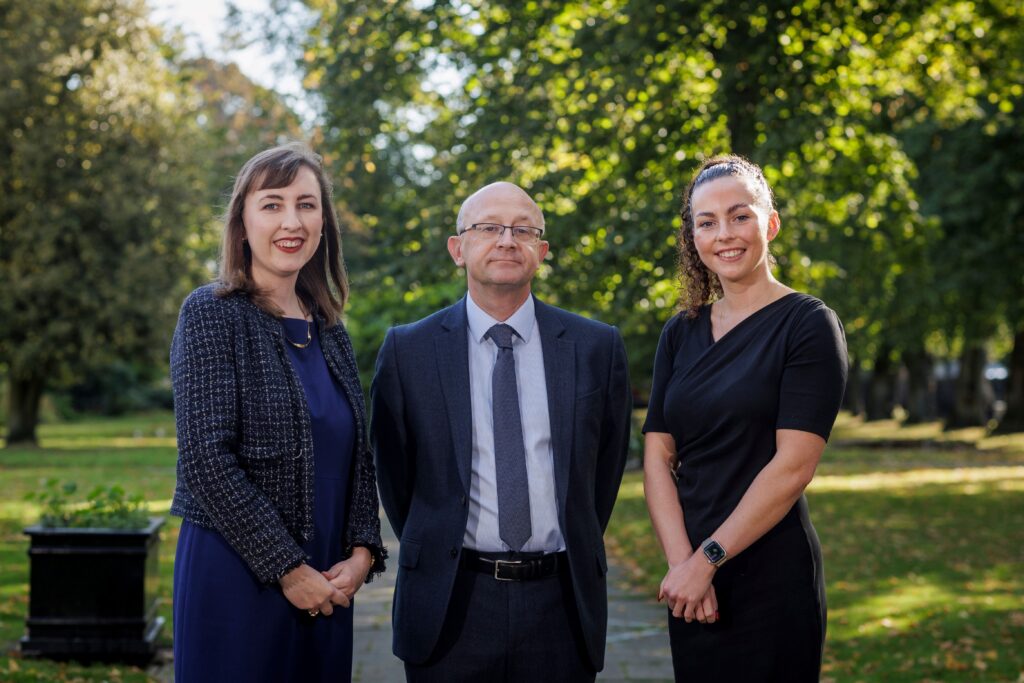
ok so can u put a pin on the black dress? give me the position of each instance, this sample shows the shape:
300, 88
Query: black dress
783, 367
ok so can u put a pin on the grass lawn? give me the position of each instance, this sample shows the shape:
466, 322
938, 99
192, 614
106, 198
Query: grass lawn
136, 452
923, 546
924, 554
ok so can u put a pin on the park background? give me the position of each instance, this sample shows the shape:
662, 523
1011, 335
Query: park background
892, 133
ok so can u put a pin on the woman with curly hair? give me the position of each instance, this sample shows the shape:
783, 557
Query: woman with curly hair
748, 379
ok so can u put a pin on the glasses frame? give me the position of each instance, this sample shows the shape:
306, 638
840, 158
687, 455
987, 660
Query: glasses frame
532, 234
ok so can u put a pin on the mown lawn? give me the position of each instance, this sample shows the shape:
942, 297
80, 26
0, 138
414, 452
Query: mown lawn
924, 555
924, 547
136, 452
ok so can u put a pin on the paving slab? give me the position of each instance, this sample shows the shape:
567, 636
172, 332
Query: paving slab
637, 649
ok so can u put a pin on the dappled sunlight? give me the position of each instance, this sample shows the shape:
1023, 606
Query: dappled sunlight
967, 480
923, 566
27, 512
849, 428
15, 591
914, 598
159, 507
19, 511
84, 443
900, 608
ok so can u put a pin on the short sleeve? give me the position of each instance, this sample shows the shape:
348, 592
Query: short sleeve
655, 421
814, 375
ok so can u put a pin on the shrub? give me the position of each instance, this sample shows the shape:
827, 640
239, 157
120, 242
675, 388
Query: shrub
106, 507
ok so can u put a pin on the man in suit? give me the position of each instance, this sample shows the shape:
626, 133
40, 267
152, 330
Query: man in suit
500, 427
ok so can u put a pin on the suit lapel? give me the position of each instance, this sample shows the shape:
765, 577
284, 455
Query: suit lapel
451, 349
560, 377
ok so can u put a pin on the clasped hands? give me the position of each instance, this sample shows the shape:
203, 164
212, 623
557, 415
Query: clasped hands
688, 590
318, 592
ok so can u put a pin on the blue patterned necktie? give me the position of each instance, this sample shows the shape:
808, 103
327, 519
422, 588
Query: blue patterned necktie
509, 453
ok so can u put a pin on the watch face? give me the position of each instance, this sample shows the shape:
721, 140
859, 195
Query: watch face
714, 552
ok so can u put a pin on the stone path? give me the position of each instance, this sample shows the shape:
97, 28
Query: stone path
638, 650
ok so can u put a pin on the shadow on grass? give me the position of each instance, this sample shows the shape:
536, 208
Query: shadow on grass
924, 567
923, 582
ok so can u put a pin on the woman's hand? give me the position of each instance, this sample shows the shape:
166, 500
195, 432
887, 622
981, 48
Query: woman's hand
688, 590
307, 589
349, 575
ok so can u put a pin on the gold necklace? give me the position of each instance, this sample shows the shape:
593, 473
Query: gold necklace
309, 336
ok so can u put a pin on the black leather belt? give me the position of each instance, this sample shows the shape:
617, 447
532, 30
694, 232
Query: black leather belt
526, 569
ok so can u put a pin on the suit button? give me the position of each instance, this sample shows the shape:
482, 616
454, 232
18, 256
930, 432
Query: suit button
453, 553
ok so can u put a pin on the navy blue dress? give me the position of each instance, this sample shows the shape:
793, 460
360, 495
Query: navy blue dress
230, 627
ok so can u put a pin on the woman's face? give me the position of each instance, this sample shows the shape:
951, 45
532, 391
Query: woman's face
283, 226
732, 227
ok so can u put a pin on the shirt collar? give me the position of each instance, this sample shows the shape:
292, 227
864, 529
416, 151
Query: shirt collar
522, 321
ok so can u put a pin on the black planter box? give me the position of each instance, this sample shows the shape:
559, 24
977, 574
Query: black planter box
93, 594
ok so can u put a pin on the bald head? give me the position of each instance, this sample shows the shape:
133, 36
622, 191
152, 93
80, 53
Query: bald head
491, 201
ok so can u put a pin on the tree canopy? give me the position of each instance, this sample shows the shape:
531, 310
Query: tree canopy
116, 152
602, 110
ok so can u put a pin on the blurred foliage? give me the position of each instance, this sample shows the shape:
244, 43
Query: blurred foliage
238, 118
602, 110
889, 130
120, 388
118, 154
106, 507
99, 181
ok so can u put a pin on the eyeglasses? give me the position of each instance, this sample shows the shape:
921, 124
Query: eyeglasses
524, 234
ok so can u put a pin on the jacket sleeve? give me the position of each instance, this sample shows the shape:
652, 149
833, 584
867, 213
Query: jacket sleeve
363, 528
207, 416
394, 454
365, 524
614, 445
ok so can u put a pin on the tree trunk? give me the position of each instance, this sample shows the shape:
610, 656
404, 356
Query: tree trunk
971, 402
853, 399
881, 388
1013, 419
23, 397
920, 403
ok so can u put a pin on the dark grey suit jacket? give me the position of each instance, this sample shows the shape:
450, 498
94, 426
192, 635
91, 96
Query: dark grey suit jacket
422, 433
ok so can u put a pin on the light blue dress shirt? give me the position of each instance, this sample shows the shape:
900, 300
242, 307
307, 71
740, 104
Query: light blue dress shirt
482, 527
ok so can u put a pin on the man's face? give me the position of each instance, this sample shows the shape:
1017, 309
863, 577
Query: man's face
498, 262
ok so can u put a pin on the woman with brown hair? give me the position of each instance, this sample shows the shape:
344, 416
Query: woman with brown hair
748, 379
275, 477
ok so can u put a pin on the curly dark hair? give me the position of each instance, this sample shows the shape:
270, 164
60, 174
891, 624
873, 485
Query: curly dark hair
698, 284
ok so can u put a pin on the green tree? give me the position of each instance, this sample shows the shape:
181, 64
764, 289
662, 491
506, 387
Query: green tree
958, 115
880, 124
99, 193
238, 118
601, 111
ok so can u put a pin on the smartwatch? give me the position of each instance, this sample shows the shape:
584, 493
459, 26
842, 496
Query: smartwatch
714, 552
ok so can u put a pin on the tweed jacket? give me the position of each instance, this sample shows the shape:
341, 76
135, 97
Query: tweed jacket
245, 445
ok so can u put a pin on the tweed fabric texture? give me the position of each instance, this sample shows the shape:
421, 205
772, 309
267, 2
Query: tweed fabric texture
245, 445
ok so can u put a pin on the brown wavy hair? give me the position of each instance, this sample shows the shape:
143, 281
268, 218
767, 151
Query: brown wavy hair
700, 286
322, 286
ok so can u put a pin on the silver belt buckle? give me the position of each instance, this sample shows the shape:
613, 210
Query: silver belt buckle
497, 565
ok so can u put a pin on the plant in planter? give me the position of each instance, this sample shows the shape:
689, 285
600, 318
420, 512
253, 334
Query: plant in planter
93, 577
